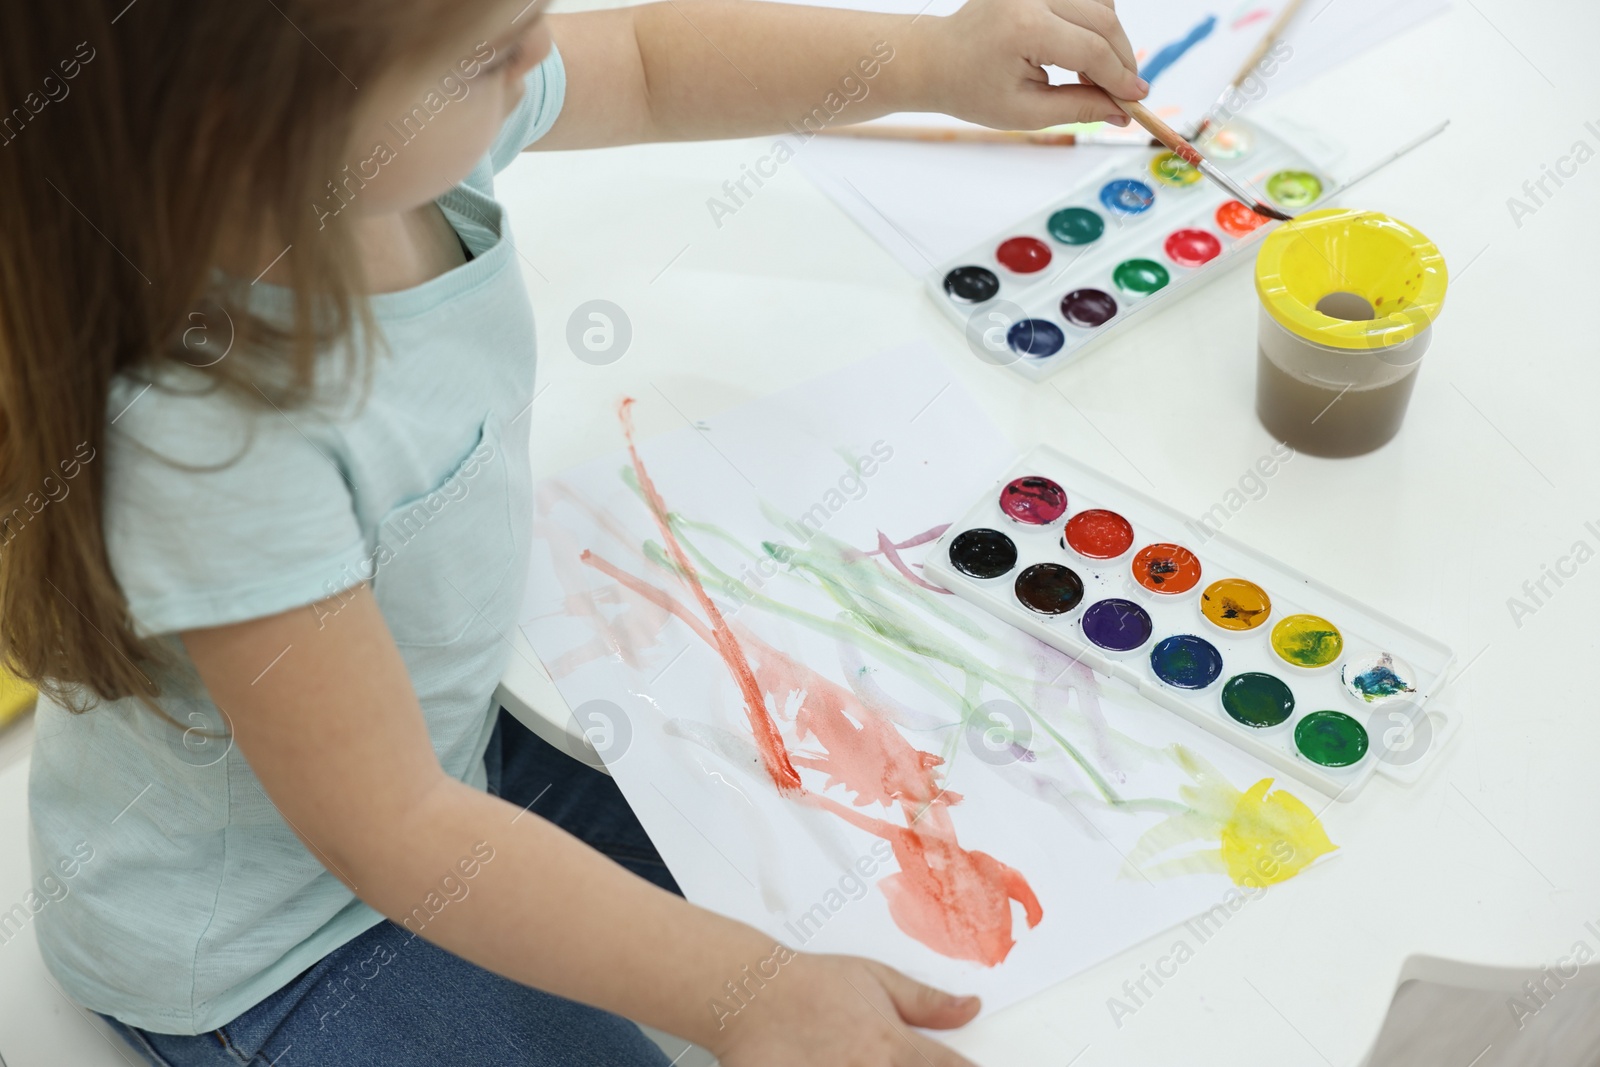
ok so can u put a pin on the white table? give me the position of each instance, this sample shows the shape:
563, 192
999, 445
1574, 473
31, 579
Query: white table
1492, 857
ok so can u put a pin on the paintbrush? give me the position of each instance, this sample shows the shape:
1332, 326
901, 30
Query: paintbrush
941, 134
1191, 155
884, 131
1274, 32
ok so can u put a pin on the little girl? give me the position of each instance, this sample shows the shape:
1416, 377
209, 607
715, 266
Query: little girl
266, 369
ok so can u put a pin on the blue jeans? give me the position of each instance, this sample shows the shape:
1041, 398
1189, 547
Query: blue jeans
425, 1006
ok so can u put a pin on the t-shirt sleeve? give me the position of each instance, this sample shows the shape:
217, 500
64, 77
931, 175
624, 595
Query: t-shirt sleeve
216, 512
546, 91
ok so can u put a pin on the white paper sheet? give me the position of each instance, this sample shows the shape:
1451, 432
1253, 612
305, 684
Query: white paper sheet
861, 671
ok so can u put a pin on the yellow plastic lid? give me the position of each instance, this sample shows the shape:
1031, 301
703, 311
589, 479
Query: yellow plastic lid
1391, 266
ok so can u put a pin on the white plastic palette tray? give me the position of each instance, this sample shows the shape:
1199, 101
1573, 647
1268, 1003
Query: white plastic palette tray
1418, 660
1016, 318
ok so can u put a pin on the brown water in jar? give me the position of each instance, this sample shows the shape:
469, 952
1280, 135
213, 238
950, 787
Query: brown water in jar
1329, 402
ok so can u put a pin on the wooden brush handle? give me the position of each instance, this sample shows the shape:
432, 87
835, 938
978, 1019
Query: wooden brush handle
1159, 130
935, 134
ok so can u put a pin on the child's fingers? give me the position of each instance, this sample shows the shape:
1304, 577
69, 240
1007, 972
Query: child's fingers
1101, 17
1055, 105
920, 1051
1073, 47
923, 1005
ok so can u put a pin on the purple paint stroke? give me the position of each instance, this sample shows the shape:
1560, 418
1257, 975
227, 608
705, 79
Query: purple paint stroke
1062, 675
877, 699
920, 539
890, 550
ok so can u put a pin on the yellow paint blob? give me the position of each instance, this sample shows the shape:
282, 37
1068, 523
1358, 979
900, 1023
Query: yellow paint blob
1307, 640
1271, 837
1235, 604
1256, 838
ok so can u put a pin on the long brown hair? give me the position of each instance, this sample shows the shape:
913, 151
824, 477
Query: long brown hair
138, 143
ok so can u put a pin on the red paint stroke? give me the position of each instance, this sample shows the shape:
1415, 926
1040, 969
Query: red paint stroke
623, 627
768, 741
1255, 16
954, 900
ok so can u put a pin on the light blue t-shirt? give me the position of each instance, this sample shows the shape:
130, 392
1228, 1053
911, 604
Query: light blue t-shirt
190, 899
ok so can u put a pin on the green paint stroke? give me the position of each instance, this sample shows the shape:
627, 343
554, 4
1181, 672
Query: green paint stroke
883, 628
873, 623
874, 599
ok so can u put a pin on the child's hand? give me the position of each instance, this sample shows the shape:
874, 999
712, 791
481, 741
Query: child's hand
984, 63
841, 1011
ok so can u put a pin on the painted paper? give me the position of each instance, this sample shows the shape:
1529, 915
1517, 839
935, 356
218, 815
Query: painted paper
826, 745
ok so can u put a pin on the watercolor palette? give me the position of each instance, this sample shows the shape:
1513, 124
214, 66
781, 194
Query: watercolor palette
1304, 677
1127, 239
